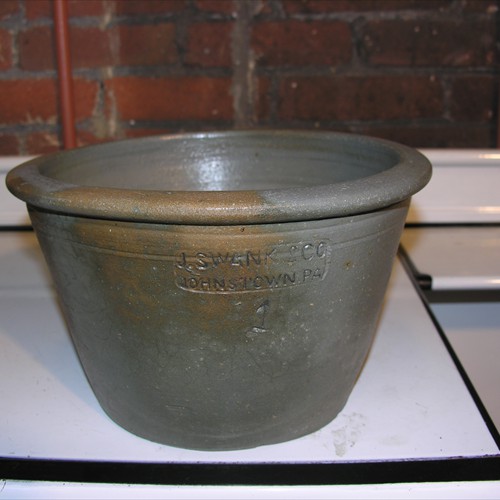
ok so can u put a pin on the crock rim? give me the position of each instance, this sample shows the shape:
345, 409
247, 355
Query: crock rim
409, 174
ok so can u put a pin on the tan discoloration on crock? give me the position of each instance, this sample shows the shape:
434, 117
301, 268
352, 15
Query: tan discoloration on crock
192, 208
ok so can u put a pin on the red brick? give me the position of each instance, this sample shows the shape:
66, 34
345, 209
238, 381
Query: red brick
90, 47
5, 49
319, 6
289, 43
181, 98
427, 43
228, 7
80, 8
42, 143
29, 101
38, 8
127, 7
474, 98
209, 44
35, 101
147, 45
36, 48
216, 6
360, 98
8, 8
9, 144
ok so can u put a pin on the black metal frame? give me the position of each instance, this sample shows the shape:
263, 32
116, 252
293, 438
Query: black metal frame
370, 472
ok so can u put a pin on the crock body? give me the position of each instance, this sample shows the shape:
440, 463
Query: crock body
222, 289
221, 337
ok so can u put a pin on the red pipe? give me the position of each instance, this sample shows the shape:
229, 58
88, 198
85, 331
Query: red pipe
498, 118
66, 97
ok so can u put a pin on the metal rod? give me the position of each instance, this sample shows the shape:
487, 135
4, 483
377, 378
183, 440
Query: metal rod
66, 97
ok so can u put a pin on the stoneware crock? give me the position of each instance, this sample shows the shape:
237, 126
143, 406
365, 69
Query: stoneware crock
222, 289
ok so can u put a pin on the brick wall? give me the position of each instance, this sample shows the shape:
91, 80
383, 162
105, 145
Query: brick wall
422, 72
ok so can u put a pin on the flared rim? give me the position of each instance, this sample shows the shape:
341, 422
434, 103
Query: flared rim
35, 183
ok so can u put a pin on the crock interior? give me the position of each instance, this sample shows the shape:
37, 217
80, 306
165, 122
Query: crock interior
222, 163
